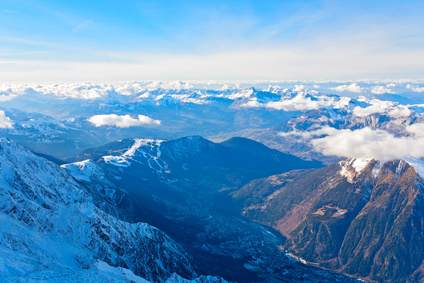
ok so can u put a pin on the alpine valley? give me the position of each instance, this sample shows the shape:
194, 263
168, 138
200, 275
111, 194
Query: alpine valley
216, 182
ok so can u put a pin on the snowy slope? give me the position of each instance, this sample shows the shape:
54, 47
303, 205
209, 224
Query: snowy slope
98, 272
50, 222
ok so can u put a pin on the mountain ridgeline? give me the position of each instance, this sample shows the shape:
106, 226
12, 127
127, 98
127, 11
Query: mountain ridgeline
235, 209
126, 209
182, 187
194, 156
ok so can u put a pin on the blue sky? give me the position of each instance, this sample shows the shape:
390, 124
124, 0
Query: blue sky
189, 40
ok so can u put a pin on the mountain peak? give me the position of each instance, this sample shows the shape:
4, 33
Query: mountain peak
353, 167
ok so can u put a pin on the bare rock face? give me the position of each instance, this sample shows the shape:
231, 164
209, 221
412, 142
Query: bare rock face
358, 216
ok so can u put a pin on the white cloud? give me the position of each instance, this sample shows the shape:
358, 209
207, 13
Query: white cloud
378, 144
378, 89
299, 103
8, 92
303, 101
362, 112
74, 90
389, 85
350, 88
15, 89
307, 135
399, 111
415, 88
416, 129
383, 107
130, 88
299, 88
289, 62
252, 104
5, 121
122, 121
178, 85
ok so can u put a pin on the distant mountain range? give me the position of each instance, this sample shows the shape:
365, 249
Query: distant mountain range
276, 117
289, 185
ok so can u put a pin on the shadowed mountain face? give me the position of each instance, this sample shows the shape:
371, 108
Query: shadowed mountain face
358, 217
182, 187
53, 227
191, 175
232, 163
361, 217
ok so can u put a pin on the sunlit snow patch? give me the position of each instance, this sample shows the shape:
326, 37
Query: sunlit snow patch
82, 170
123, 160
358, 165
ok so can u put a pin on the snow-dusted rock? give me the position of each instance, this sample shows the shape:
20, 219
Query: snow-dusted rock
50, 222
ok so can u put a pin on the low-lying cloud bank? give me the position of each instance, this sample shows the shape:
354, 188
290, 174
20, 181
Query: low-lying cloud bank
415, 88
5, 121
303, 101
381, 89
416, 129
77, 91
350, 88
92, 90
378, 144
308, 135
389, 108
298, 103
124, 121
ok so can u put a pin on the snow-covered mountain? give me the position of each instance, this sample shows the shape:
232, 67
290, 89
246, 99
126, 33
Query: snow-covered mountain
96, 205
70, 123
182, 186
51, 226
131, 162
62, 229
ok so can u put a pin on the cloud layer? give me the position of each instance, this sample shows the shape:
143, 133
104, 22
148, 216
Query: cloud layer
80, 91
5, 121
124, 121
299, 103
378, 144
389, 108
350, 88
379, 89
415, 88
307, 135
416, 129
